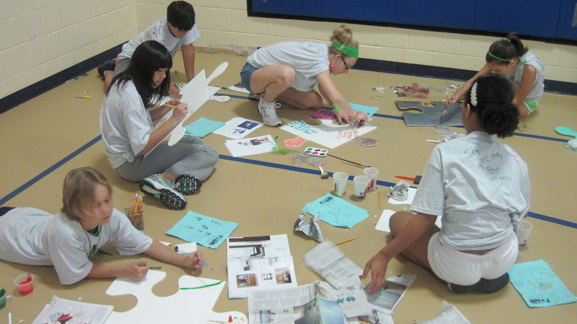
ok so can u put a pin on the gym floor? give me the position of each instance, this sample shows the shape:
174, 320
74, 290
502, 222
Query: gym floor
51, 134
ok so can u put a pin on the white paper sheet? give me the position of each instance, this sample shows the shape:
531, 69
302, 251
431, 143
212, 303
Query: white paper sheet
327, 133
238, 127
257, 263
250, 146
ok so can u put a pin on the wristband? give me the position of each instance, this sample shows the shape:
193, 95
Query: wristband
336, 110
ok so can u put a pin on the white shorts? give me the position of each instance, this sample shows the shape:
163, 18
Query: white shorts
467, 269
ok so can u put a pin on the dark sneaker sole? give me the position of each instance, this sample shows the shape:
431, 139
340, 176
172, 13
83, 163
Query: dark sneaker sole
187, 184
484, 286
168, 198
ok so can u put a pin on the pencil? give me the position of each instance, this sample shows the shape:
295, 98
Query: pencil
345, 241
379, 200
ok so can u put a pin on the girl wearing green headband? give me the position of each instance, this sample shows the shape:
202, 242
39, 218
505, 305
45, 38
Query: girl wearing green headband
289, 72
509, 58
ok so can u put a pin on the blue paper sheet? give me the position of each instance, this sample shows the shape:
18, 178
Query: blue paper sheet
538, 284
370, 111
203, 230
202, 127
335, 211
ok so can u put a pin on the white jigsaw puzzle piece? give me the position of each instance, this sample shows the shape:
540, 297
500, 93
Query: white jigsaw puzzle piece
185, 306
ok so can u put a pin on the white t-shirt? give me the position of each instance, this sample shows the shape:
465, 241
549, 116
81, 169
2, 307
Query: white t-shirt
479, 186
34, 237
516, 74
308, 59
159, 32
125, 124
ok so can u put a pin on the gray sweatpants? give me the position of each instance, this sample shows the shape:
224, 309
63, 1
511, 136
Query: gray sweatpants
189, 156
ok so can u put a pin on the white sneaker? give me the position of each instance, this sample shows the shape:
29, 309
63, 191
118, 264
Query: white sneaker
268, 112
163, 189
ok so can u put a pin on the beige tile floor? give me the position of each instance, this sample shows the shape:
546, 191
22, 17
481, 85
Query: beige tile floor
53, 133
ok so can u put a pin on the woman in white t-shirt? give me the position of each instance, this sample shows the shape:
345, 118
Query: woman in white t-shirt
509, 58
87, 222
289, 71
480, 187
135, 148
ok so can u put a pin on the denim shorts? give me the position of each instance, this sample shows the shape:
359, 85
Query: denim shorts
246, 74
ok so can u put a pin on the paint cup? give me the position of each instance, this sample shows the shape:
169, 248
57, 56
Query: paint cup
372, 173
2, 298
523, 231
341, 179
25, 283
361, 186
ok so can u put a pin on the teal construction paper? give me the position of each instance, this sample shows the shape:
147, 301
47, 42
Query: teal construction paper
336, 211
370, 111
203, 230
202, 127
538, 284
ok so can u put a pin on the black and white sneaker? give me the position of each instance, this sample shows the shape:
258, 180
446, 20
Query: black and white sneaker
484, 286
187, 184
163, 189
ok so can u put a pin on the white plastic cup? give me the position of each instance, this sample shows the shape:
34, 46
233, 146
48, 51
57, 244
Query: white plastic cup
523, 231
372, 173
341, 179
361, 186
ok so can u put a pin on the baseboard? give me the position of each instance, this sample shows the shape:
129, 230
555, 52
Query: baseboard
53, 81
427, 71
59, 78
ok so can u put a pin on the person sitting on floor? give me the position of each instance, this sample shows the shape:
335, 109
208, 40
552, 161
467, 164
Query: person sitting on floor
480, 187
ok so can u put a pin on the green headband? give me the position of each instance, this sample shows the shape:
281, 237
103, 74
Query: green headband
498, 58
346, 49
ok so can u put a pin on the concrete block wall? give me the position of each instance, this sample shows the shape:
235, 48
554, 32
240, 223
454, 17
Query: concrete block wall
41, 38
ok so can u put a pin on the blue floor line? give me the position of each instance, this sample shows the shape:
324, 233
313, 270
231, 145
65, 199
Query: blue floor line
401, 118
230, 158
49, 170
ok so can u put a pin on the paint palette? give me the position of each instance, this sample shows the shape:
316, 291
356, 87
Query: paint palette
315, 151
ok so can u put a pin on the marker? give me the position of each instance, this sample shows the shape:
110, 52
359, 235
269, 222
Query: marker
345, 241
83, 97
415, 180
155, 267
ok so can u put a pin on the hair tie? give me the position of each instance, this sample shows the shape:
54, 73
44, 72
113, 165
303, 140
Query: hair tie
474, 94
498, 58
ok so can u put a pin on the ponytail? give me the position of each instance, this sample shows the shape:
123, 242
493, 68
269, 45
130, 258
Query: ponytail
491, 99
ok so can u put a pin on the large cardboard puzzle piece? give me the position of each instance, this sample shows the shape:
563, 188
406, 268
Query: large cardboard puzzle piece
195, 94
192, 305
430, 115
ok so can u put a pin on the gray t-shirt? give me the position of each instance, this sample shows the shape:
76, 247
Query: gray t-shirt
159, 32
34, 237
125, 124
308, 59
479, 186
516, 74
